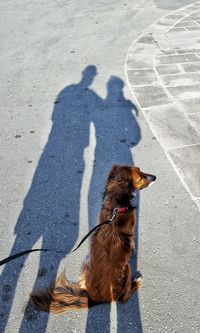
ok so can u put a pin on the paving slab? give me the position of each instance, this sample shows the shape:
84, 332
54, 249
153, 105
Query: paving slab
168, 69
188, 79
191, 67
142, 77
187, 161
151, 95
176, 59
183, 92
189, 105
172, 127
195, 120
169, 92
184, 40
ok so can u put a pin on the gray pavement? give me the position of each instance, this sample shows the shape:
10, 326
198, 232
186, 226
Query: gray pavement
163, 70
63, 124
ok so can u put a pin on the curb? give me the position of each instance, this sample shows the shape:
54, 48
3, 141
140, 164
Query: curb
162, 69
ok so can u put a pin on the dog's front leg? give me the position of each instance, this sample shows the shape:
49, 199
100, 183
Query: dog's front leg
124, 290
129, 285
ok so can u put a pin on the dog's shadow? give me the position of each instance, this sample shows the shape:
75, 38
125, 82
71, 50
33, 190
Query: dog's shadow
51, 207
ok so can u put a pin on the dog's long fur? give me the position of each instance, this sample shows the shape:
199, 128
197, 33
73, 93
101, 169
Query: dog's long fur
106, 275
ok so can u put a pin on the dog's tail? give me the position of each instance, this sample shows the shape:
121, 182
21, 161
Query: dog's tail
61, 296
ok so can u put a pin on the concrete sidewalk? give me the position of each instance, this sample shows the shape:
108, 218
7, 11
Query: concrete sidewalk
163, 71
58, 142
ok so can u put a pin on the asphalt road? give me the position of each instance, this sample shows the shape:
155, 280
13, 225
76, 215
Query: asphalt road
62, 93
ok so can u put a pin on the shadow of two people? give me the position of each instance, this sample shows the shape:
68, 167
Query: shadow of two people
52, 206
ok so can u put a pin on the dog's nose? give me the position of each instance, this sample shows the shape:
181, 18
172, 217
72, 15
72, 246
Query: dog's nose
151, 178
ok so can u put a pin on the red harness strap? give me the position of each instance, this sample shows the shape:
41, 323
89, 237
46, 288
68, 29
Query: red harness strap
121, 209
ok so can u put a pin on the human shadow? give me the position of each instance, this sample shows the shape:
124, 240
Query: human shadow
51, 207
117, 131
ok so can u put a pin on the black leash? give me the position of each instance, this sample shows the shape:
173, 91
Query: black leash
110, 221
17, 255
90, 232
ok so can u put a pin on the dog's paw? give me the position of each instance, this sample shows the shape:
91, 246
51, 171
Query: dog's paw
137, 283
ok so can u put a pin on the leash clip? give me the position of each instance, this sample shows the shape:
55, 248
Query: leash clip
115, 211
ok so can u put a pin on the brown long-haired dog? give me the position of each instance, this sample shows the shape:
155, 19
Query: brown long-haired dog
106, 275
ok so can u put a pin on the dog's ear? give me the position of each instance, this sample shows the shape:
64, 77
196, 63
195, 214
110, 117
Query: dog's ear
110, 177
119, 172
113, 172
